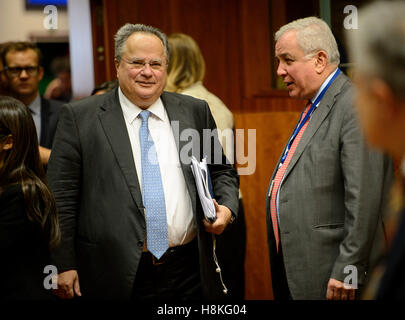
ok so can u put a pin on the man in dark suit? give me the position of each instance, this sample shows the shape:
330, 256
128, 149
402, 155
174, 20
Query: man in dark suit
378, 51
23, 70
327, 191
100, 173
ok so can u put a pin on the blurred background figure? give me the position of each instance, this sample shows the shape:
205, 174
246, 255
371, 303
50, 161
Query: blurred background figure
105, 87
22, 64
185, 74
3, 79
28, 220
378, 50
60, 88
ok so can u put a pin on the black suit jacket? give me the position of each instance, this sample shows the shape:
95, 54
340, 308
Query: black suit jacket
49, 118
92, 174
23, 250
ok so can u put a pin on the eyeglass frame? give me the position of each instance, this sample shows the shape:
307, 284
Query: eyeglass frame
142, 62
7, 70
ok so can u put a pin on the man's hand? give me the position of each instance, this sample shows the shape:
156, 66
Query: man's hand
223, 218
338, 290
68, 285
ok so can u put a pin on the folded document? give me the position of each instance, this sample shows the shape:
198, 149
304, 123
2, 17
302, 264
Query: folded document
204, 188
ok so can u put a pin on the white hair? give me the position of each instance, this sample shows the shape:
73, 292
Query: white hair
313, 35
377, 47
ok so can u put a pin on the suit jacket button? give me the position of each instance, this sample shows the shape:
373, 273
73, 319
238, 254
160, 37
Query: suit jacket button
140, 244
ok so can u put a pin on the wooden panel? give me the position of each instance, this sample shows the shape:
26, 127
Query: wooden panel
255, 45
272, 132
217, 39
297, 9
278, 18
97, 25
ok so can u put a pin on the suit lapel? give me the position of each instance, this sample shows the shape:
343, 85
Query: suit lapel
317, 118
177, 114
113, 123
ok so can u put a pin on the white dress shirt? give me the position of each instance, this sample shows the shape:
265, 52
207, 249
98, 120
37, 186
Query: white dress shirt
324, 84
179, 212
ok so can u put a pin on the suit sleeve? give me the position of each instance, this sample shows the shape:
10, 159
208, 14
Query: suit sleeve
64, 176
225, 180
367, 175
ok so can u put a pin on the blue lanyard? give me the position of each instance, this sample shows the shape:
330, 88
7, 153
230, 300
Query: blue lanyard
308, 115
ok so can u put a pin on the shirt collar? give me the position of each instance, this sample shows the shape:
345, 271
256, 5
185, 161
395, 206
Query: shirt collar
131, 111
324, 84
35, 105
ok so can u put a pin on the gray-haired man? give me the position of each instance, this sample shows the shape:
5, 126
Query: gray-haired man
133, 227
326, 193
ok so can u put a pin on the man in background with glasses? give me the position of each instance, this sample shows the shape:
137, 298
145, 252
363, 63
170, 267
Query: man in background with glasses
23, 71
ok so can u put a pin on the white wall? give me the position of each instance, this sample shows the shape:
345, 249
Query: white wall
81, 48
19, 24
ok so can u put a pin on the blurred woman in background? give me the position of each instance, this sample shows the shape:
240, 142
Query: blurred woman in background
28, 221
185, 74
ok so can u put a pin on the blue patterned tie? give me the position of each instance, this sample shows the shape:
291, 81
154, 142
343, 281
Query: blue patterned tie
152, 193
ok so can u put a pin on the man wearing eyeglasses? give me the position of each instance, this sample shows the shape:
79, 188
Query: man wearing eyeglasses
132, 225
23, 72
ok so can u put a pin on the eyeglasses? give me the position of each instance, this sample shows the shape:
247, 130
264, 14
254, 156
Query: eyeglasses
139, 64
16, 71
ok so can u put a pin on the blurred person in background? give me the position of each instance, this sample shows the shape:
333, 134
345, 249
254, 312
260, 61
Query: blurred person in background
3, 79
60, 88
378, 51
